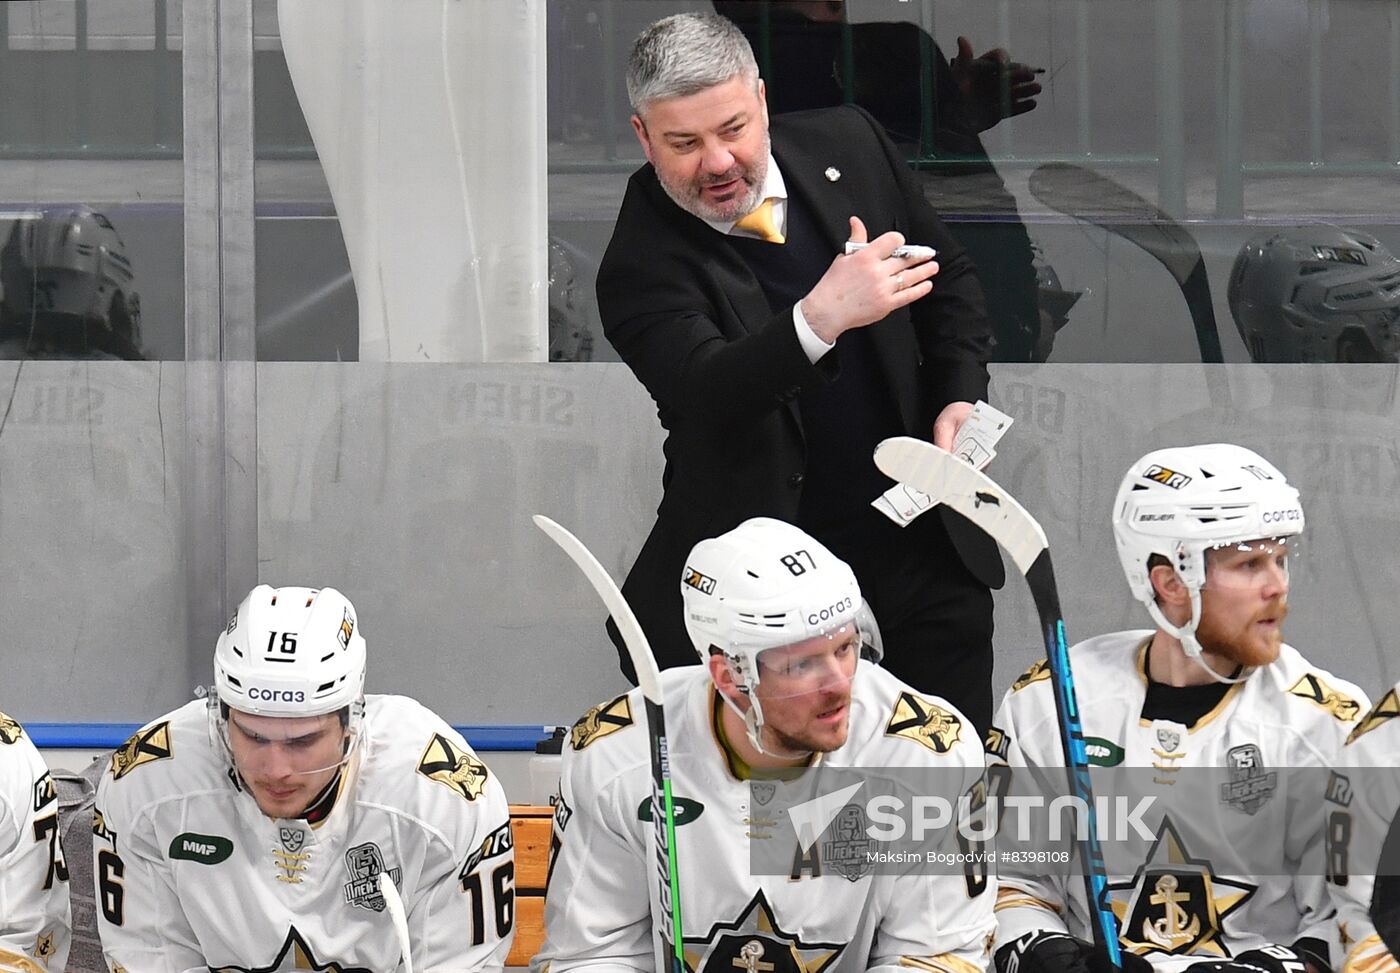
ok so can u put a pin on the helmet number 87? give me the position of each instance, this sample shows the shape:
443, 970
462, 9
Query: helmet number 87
793, 562
288, 646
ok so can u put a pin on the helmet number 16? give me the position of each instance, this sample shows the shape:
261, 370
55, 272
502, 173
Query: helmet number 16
288, 646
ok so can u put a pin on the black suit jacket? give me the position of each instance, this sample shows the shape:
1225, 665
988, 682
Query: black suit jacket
691, 320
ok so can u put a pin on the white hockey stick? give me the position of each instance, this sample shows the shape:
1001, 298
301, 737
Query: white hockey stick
663, 812
393, 904
973, 494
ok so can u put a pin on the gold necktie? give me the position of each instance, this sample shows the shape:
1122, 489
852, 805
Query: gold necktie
760, 221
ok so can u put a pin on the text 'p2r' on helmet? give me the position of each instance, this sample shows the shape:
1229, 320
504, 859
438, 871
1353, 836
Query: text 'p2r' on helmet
291, 652
1316, 293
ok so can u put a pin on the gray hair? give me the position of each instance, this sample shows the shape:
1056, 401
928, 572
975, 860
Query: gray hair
685, 54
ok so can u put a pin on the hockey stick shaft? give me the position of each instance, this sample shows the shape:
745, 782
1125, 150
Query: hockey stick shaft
393, 904
977, 497
663, 814
1041, 579
1092, 197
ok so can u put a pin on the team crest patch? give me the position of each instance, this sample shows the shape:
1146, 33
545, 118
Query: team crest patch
1037, 672
1250, 785
1387, 709
918, 719
292, 839
1169, 739
10, 730
295, 954
601, 721
145, 746
450, 765
848, 850
365, 862
1316, 691
757, 942
1166, 477
763, 791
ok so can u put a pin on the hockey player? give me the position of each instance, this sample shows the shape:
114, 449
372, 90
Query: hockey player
249, 831
1232, 876
1363, 841
35, 922
780, 627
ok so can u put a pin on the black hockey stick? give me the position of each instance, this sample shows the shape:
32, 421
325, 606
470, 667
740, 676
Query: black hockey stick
663, 810
1086, 195
973, 494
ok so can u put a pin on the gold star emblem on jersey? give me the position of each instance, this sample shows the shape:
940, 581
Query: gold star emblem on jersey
1387, 709
755, 943
295, 954
145, 746
446, 763
43, 946
1175, 903
1037, 672
1312, 688
915, 718
600, 721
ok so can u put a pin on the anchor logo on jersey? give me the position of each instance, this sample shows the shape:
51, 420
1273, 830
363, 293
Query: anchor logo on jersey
1176, 904
755, 943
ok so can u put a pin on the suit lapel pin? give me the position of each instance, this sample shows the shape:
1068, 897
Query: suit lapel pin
832, 173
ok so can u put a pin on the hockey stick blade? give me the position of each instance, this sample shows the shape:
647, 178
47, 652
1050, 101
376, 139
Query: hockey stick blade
970, 492
663, 810
1087, 195
393, 904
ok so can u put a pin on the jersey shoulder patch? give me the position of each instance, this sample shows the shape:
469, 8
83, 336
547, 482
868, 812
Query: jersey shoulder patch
1036, 673
448, 764
925, 722
144, 747
1387, 709
602, 720
10, 730
1315, 690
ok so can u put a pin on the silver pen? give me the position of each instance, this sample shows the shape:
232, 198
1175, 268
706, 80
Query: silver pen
907, 250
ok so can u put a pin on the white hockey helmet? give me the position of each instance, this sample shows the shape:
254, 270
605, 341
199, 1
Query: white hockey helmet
1181, 502
766, 585
291, 652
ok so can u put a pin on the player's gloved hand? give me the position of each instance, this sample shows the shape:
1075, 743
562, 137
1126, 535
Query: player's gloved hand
1265, 959
1056, 952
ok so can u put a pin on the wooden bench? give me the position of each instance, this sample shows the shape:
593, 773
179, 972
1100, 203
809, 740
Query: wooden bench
530, 828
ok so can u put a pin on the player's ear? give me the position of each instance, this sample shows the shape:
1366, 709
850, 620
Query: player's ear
1168, 586
722, 672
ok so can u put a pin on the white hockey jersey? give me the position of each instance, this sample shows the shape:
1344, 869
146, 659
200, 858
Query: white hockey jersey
602, 912
1193, 887
35, 920
190, 874
1362, 801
